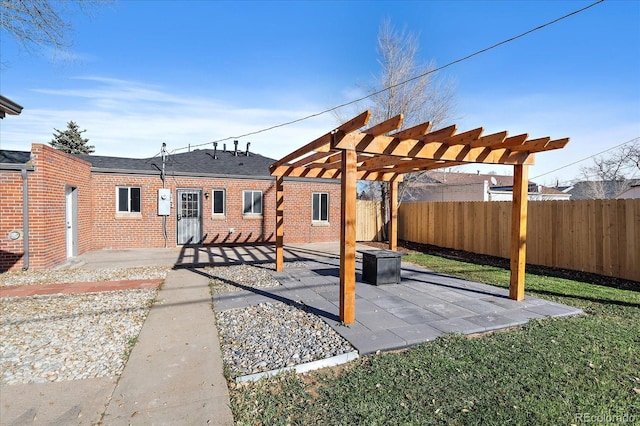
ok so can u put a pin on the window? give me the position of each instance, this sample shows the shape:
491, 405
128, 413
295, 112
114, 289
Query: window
252, 202
128, 199
219, 202
320, 207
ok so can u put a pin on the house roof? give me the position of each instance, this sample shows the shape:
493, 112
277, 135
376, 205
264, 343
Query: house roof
14, 157
584, 190
7, 106
199, 161
496, 183
602, 189
550, 190
455, 178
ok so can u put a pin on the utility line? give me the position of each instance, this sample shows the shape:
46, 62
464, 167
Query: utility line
288, 123
587, 158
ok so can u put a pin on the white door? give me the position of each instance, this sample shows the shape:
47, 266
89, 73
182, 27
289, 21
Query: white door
71, 196
189, 216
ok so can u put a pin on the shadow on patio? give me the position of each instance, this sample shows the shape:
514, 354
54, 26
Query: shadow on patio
422, 307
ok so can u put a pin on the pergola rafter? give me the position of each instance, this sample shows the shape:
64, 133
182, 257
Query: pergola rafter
378, 154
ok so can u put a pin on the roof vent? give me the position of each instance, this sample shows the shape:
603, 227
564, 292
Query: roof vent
215, 150
235, 150
248, 144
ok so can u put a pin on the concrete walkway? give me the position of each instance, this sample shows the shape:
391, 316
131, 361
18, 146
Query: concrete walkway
175, 375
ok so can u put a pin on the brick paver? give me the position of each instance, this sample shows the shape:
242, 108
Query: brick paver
78, 288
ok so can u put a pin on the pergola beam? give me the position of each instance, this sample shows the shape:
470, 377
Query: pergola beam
532, 145
323, 141
465, 137
393, 123
489, 141
416, 149
515, 141
421, 165
312, 159
414, 132
555, 144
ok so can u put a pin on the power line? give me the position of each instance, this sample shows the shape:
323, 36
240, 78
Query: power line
589, 157
288, 123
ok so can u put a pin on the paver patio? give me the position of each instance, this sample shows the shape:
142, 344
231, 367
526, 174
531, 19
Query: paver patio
422, 307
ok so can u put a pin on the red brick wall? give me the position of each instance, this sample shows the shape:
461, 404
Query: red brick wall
298, 210
54, 172
116, 231
11, 251
101, 227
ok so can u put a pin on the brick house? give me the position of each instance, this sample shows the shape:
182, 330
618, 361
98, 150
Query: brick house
77, 203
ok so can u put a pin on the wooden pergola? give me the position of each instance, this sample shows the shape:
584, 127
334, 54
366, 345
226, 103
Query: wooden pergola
374, 154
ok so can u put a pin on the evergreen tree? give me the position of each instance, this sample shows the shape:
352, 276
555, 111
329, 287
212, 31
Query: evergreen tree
71, 140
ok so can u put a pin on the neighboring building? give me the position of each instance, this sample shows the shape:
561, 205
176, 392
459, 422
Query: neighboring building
7, 106
632, 192
78, 203
448, 186
602, 189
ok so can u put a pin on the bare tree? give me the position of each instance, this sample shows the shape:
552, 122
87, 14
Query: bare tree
37, 23
412, 90
608, 176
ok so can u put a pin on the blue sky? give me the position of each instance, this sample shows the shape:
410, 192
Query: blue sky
140, 73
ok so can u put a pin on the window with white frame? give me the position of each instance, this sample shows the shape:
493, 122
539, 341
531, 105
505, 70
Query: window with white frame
219, 203
252, 202
128, 199
320, 207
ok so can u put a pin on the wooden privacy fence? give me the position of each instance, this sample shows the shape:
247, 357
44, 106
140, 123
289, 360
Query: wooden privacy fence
369, 222
599, 236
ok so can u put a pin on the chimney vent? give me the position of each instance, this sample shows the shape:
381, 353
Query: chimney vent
215, 150
248, 144
235, 150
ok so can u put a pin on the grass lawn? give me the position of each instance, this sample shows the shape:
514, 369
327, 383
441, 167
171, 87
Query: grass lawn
552, 371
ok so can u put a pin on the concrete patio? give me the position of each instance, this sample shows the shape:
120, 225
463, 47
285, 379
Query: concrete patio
422, 307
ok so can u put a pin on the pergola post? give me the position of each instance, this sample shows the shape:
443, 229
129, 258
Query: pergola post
279, 224
518, 231
393, 215
348, 237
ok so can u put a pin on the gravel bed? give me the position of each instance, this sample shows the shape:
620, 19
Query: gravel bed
274, 335
81, 275
253, 276
69, 337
